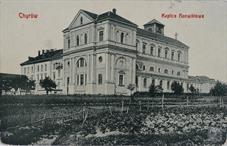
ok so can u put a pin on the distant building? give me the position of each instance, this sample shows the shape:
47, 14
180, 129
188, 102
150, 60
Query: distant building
47, 63
103, 54
6, 78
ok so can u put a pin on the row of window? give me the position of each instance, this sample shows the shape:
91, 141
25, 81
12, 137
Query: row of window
41, 68
153, 82
78, 40
166, 52
41, 76
166, 71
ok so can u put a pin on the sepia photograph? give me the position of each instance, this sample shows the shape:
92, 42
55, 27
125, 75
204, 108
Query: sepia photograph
113, 72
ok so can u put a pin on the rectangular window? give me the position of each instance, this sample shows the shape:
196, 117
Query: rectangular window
100, 79
38, 77
145, 82
32, 69
45, 67
54, 75
166, 54
28, 70
68, 43
24, 70
172, 55
152, 50
144, 48
38, 68
100, 36
81, 79
78, 79
159, 52
121, 80
41, 67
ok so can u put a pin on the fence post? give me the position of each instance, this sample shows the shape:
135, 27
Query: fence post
187, 100
140, 105
122, 106
110, 109
148, 104
162, 101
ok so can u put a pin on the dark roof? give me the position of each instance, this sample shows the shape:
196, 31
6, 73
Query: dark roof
92, 15
50, 55
111, 16
154, 21
159, 37
107, 16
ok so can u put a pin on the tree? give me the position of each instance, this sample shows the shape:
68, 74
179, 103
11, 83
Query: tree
220, 89
47, 84
5, 85
192, 89
155, 89
177, 88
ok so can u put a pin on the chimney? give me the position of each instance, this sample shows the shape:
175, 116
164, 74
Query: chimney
114, 10
43, 51
39, 53
176, 34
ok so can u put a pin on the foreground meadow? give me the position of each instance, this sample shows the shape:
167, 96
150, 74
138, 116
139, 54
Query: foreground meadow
83, 124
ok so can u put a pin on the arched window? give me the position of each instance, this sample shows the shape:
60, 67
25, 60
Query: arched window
99, 78
81, 20
159, 52
144, 67
77, 40
179, 56
166, 71
166, 53
81, 63
145, 82
152, 50
137, 67
85, 38
151, 68
122, 37
172, 55
68, 43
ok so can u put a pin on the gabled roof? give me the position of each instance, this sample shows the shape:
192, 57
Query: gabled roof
47, 56
106, 16
154, 21
111, 16
92, 15
159, 37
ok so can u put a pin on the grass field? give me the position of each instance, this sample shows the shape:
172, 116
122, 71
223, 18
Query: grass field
104, 120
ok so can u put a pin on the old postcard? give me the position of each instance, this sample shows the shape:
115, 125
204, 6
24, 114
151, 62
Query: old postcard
104, 72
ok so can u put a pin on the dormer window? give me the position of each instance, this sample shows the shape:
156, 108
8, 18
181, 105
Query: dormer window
81, 20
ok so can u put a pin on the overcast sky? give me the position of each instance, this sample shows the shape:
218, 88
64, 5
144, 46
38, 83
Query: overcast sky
207, 38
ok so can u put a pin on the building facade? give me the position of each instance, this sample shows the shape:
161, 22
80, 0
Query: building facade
103, 54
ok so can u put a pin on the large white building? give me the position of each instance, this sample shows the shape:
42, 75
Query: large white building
103, 54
